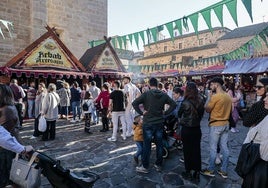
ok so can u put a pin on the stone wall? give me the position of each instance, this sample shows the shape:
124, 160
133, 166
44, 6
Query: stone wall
77, 22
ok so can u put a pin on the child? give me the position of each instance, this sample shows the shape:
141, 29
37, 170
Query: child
88, 99
138, 137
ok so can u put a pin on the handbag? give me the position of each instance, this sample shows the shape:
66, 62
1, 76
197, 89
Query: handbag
248, 157
42, 124
24, 173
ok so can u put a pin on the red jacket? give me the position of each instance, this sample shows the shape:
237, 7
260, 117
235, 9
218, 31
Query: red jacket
104, 96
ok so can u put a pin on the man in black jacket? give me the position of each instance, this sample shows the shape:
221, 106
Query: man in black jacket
153, 102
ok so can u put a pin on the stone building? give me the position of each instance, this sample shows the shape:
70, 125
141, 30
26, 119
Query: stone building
197, 52
76, 23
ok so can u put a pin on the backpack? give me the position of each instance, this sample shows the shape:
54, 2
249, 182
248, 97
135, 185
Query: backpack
85, 106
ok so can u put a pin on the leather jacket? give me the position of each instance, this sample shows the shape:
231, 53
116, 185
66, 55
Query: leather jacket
190, 114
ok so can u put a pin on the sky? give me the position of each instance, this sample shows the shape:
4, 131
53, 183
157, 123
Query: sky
130, 16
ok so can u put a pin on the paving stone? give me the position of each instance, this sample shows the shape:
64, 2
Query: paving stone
113, 161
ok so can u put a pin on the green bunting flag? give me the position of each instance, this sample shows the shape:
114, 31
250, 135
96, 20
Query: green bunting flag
194, 20
136, 38
219, 13
179, 26
119, 40
142, 37
248, 6
207, 17
114, 42
154, 33
170, 27
125, 41
232, 8
130, 38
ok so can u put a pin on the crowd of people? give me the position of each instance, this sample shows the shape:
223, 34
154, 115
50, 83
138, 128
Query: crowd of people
139, 111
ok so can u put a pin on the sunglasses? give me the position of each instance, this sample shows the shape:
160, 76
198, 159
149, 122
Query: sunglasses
259, 87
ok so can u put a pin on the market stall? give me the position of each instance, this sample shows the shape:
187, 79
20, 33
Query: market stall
46, 59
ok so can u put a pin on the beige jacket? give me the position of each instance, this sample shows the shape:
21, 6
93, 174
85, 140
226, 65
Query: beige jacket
262, 137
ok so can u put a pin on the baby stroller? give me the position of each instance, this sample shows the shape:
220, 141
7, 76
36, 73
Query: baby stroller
60, 177
171, 136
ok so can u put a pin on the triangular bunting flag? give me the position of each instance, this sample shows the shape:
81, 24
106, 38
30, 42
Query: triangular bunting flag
154, 33
219, 13
194, 20
142, 36
130, 38
207, 17
119, 40
114, 42
232, 7
170, 27
248, 6
179, 26
125, 41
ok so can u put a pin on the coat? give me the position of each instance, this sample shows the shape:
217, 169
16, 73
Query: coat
50, 106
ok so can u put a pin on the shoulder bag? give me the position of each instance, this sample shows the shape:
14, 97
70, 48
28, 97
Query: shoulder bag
248, 157
24, 173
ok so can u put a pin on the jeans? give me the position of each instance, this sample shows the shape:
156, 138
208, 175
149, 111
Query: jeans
129, 114
95, 115
115, 116
218, 134
139, 148
76, 107
151, 131
30, 108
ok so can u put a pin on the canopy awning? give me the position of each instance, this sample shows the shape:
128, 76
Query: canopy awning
246, 66
44, 73
212, 70
111, 74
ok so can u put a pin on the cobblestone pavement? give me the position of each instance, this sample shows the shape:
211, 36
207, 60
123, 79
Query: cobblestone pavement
113, 161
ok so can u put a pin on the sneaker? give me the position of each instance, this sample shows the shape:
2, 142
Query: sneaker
182, 159
136, 160
111, 139
207, 172
33, 137
73, 121
128, 135
158, 168
79, 120
142, 169
223, 174
234, 130
124, 137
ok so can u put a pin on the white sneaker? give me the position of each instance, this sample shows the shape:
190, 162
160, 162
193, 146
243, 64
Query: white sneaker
33, 137
234, 130
142, 169
124, 137
112, 139
73, 121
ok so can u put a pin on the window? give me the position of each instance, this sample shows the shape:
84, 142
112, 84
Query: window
187, 61
173, 58
200, 42
165, 48
180, 46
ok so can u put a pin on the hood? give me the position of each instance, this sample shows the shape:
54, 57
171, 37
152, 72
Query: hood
156, 93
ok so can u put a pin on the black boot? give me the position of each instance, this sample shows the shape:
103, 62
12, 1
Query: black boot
196, 175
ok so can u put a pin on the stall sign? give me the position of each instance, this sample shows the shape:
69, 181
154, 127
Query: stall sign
106, 61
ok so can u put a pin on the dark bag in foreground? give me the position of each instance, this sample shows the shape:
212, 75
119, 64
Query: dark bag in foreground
249, 156
60, 177
24, 173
